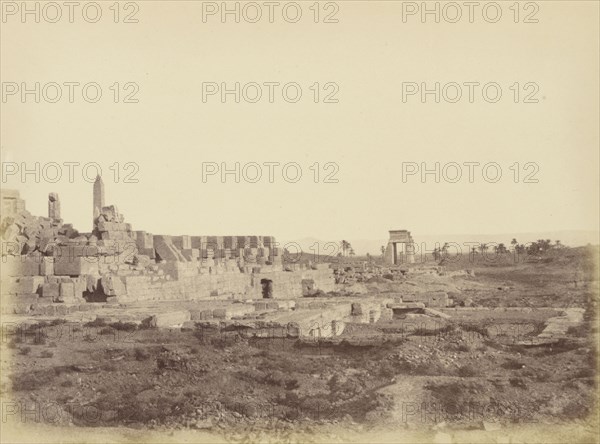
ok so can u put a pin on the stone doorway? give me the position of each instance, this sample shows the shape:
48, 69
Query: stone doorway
267, 288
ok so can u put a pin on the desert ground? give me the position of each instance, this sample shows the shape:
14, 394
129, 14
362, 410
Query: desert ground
513, 358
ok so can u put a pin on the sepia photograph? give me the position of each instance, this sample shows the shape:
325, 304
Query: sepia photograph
310, 221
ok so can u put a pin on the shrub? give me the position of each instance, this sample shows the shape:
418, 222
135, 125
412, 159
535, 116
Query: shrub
107, 331
88, 338
98, 322
60, 369
124, 326
315, 407
386, 370
463, 348
585, 373
421, 331
30, 381
580, 331
576, 410
39, 339
67, 383
292, 384
47, 354
512, 364
482, 330
141, 354
467, 371
109, 367
24, 350
518, 382
542, 376
147, 324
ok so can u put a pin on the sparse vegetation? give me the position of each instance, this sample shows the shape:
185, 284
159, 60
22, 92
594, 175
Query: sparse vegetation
219, 377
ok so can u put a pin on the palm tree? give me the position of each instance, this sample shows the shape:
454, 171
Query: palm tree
513, 243
344, 246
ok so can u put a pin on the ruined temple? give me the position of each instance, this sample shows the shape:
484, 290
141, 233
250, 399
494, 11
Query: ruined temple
400, 248
47, 261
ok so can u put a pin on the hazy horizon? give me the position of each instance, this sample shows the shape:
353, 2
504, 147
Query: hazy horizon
363, 245
349, 154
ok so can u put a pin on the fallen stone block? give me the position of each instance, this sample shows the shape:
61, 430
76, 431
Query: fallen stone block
169, 319
201, 315
188, 326
30, 284
67, 291
406, 305
75, 266
436, 313
112, 285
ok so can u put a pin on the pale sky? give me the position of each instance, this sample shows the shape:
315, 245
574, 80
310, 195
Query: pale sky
368, 134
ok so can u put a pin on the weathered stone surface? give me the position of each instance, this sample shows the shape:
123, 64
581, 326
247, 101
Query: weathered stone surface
166, 250
182, 242
53, 206
112, 285
430, 299
201, 315
191, 254
46, 267
436, 313
51, 290
30, 284
67, 291
232, 310
406, 305
75, 266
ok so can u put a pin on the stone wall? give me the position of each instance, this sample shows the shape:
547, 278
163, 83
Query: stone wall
46, 259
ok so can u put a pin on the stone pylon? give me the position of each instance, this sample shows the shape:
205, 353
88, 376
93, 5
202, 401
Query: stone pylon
98, 197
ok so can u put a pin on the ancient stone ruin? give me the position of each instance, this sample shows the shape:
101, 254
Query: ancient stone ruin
47, 261
400, 248
51, 269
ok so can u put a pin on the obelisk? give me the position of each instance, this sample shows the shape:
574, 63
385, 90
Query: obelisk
98, 197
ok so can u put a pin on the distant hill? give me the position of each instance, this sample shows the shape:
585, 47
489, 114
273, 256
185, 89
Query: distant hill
571, 238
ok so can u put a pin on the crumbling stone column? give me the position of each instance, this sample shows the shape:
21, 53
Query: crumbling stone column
53, 206
98, 197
